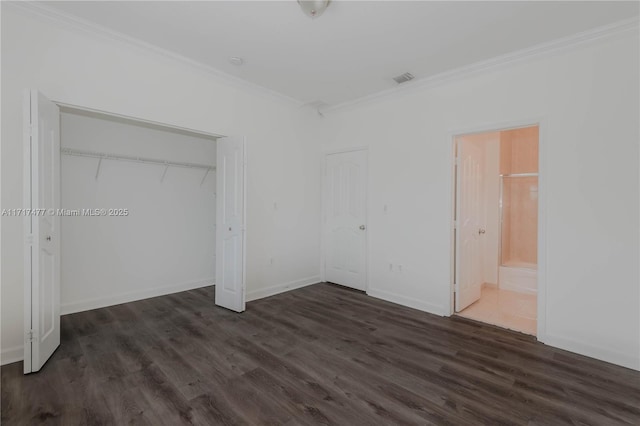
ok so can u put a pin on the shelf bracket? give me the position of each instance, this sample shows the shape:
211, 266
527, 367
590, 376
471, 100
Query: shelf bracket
164, 173
205, 176
98, 169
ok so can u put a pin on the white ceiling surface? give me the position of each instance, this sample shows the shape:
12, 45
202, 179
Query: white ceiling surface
355, 48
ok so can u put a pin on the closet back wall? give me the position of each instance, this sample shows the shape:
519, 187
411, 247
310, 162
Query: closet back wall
165, 244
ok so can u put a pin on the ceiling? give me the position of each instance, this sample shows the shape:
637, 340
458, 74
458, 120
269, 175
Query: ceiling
355, 48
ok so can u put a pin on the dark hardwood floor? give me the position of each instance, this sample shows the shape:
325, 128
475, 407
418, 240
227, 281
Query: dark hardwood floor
318, 355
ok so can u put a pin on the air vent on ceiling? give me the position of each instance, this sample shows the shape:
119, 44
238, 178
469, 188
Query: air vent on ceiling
403, 78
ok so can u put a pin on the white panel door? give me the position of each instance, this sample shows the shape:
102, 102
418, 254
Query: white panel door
230, 224
345, 219
469, 229
42, 226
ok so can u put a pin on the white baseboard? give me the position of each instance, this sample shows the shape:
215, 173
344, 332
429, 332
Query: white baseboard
281, 288
592, 351
11, 355
408, 301
85, 305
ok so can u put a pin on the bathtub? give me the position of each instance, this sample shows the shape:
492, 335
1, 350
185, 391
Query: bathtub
520, 277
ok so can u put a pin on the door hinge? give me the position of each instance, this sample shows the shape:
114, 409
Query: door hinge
456, 287
30, 336
30, 239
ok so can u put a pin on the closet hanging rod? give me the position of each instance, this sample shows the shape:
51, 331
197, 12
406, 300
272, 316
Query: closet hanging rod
101, 155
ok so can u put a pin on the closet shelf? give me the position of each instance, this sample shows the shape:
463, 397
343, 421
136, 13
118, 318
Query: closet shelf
101, 155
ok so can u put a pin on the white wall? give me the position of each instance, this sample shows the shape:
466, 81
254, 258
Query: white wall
166, 243
588, 99
84, 69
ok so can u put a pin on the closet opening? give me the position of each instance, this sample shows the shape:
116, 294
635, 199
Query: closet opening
125, 210
496, 227
138, 207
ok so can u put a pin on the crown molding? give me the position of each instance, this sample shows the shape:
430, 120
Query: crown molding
77, 24
74, 23
594, 35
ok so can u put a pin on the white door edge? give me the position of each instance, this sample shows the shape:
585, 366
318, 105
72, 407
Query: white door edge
27, 224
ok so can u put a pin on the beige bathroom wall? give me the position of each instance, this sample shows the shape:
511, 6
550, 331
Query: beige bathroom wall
519, 154
520, 221
519, 150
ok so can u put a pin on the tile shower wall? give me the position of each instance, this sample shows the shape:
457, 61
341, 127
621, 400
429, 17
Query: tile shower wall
518, 155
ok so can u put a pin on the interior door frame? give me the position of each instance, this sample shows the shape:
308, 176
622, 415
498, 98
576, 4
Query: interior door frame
323, 243
542, 124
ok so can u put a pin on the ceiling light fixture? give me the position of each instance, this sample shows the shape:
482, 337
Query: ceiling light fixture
236, 60
314, 8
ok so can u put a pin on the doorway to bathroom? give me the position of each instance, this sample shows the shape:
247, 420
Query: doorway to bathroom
496, 227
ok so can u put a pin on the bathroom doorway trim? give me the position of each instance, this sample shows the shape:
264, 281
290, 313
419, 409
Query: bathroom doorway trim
542, 208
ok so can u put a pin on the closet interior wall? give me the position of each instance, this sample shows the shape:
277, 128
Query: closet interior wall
161, 236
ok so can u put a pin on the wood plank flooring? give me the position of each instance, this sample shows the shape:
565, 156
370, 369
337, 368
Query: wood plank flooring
318, 355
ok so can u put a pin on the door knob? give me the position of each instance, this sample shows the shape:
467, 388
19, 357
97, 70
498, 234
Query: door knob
48, 237
362, 227
481, 231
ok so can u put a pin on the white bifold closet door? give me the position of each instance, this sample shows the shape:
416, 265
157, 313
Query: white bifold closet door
42, 230
230, 223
